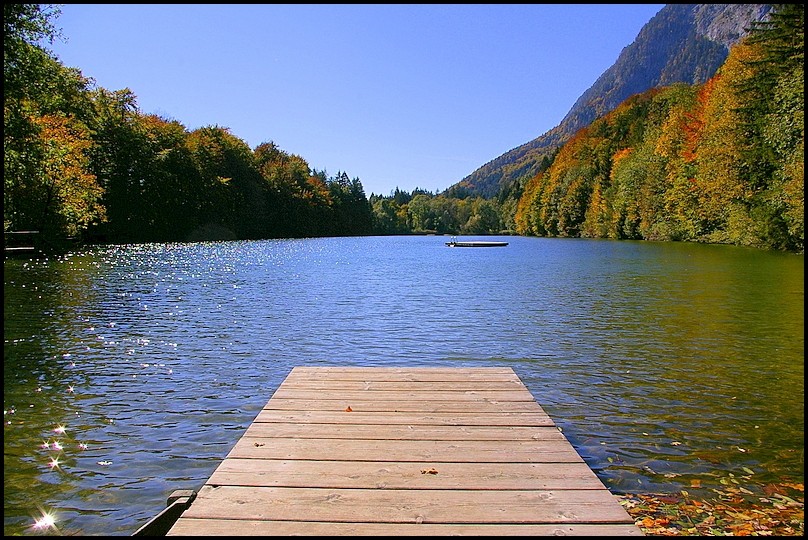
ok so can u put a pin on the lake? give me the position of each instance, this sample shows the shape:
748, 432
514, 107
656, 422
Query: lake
131, 371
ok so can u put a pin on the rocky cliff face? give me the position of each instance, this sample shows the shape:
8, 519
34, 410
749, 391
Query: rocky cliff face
683, 43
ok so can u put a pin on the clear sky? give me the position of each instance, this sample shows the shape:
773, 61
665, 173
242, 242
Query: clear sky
398, 95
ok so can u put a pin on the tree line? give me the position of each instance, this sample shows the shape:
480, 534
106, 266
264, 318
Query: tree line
720, 162
83, 161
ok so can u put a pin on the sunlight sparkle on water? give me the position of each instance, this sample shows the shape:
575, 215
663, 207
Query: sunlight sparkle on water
45, 522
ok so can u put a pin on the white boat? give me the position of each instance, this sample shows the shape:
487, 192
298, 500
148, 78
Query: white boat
475, 243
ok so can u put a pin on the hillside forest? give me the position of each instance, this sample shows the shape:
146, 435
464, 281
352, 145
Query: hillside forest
719, 162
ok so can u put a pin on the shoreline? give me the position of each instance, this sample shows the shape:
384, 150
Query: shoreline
779, 511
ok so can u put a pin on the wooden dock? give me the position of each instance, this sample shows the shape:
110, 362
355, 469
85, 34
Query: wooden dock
20, 243
401, 452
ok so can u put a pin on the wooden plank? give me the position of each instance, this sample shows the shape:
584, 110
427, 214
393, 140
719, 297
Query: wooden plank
401, 452
225, 527
354, 373
402, 432
376, 405
406, 506
404, 475
459, 451
443, 386
406, 418
471, 396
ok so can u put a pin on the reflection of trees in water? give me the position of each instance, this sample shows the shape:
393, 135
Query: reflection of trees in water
681, 366
43, 417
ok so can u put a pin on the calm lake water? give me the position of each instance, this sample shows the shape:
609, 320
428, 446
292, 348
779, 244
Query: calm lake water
131, 371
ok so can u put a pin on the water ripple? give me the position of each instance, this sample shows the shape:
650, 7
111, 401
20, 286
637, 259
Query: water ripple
661, 363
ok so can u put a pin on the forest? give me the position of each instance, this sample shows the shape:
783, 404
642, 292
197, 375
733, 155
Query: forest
720, 162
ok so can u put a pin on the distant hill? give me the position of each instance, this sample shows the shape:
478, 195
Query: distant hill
682, 43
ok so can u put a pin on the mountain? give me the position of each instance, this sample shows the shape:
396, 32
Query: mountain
682, 43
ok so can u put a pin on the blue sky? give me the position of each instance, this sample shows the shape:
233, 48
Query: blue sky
398, 95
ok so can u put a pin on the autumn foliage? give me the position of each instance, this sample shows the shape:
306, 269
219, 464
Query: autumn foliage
721, 162
777, 511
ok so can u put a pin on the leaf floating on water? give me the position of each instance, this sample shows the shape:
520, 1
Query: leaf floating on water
348, 409
105, 463
675, 443
726, 515
772, 489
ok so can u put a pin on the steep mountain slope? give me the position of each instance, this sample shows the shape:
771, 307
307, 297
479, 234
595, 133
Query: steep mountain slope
682, 43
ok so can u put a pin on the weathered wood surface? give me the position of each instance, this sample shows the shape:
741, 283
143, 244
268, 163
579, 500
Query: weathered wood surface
406, 452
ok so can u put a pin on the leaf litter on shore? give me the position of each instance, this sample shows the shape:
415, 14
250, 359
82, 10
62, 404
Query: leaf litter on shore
778, 510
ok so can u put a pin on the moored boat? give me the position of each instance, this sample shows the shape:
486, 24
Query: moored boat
475, 243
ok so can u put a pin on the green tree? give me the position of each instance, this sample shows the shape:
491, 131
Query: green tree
230, 180
421, 213
352, 213
299, 200
484, 217
388, 216
171, 190
46, 144
774, 120
120, 163
674, 146
25, 63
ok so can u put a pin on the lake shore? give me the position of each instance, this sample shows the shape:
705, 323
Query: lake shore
779, 511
